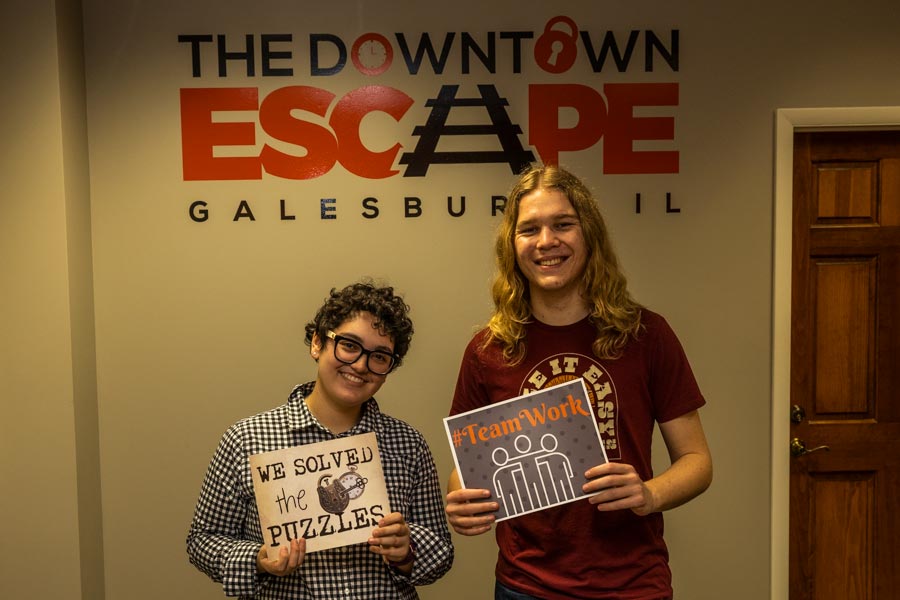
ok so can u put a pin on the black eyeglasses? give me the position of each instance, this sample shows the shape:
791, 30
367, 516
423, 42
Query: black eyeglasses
348, 351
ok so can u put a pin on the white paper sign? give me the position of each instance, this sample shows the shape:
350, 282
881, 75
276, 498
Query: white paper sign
330, 493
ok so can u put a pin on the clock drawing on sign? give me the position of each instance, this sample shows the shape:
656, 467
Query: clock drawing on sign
372, 54
334, 496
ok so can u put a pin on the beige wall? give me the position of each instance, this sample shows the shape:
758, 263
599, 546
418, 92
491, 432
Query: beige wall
52, 545
198, 326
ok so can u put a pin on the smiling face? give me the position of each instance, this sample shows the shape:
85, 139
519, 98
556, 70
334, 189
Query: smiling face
341, 389
550, 247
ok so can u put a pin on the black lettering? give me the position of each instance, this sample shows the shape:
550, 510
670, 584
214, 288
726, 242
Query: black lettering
498, 205
275, 468
284, 215
307, 533
243, 211
326, 528
516, 37
362, 518
669, 208
314, 68
275, 532
286, 502
286, 529
609, 44
195, 41
425, 47
198, 211
462, 206
328, 209
344, 526
268, 55
652, 42
488, 58
413, 207
247, 55
370, 204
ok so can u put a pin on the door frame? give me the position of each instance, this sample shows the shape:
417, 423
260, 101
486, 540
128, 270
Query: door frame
786, 121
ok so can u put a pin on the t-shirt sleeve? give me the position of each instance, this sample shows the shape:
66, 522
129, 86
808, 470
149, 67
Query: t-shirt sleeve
673, 387
471, 391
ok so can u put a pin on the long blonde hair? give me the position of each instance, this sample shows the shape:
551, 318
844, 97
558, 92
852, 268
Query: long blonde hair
614, 312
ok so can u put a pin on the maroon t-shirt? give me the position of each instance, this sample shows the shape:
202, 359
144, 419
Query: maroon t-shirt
573, 550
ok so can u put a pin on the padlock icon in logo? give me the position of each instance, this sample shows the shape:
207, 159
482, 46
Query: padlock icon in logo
556, 50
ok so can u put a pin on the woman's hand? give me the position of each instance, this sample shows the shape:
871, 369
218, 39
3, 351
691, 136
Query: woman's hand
391, 540
289, 558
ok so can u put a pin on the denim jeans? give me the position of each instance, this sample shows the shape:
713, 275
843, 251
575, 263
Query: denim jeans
501, 592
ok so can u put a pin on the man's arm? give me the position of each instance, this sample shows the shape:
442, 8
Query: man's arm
618, 485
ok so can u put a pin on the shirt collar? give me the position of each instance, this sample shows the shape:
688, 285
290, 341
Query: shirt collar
300, 417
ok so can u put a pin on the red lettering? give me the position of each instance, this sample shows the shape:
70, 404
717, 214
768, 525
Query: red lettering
612, 120
308, 147
619, 156
347, 118
276, 119
544, 132
199, 134
319, 147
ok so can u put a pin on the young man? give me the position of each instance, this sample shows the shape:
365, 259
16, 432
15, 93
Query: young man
358, 336
562, 310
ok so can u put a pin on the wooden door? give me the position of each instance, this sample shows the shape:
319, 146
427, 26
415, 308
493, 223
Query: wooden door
845, 367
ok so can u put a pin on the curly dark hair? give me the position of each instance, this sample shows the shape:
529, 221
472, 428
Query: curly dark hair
390, 311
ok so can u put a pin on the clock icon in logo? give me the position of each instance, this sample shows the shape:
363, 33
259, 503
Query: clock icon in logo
372, 54
353, 484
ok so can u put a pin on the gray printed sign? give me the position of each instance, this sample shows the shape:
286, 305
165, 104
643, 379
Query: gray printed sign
531, 451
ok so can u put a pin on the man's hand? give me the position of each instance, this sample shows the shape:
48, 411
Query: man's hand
468, 517
617, 486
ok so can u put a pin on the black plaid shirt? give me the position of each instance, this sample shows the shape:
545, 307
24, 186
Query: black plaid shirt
225, 536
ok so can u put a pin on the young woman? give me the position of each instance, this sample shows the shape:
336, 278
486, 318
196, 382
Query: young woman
358, 337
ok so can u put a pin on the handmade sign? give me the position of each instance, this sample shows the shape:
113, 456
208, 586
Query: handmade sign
530, 451
330, 493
